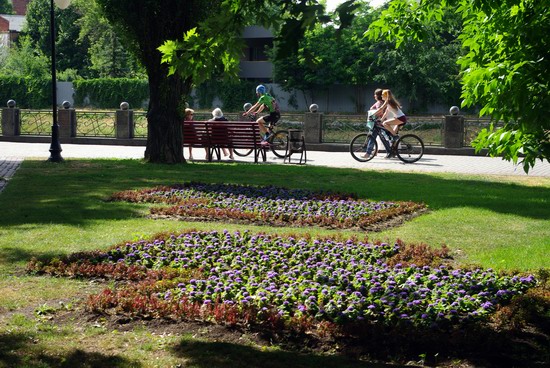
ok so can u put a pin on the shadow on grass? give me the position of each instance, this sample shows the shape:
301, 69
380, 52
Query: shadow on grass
19, 350
477, 345
11, 255
74, 193
222, 354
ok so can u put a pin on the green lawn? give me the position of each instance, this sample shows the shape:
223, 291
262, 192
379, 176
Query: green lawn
50, 210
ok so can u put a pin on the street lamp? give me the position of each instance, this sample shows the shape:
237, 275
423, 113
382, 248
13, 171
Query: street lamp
55, 147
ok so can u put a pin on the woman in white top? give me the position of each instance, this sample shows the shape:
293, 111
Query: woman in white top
393, 117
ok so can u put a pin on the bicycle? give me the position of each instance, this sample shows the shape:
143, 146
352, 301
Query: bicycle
408, 148
277, 141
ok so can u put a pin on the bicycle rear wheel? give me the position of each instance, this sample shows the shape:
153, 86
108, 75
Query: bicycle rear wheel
409, 148
242, 151
359, 144
278, 143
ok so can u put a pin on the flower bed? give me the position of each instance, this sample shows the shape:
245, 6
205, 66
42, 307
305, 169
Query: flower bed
236, 277
269, 205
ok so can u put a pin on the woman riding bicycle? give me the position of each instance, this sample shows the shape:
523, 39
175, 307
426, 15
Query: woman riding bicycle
376, 111
265, 101
393, 118
408, 148
378, 98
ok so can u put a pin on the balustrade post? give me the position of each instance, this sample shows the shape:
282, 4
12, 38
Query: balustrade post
10, 120
124, 118
453, 129
313, 125
67, 121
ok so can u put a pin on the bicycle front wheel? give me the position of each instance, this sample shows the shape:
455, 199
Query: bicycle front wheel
409, 148
359, 146
278, 143
242, 151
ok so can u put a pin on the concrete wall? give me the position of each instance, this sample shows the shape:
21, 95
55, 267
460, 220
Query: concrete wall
65, 92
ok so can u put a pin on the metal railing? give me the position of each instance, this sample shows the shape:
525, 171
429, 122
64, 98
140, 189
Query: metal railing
336, 128
472, 127
287, 121
342, 128
95, 124
140, 124
35, 122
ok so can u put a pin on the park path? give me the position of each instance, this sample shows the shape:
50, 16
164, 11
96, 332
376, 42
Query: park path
13, 153
8, 167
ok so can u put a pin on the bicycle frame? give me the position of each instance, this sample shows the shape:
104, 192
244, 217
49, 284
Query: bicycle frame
376, 132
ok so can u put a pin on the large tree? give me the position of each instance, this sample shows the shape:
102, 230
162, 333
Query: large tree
421, 73
108, 55
145, 25
198, 39
505, 66
69, 48
328, 55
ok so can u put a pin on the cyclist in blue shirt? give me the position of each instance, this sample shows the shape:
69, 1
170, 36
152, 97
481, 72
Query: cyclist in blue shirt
265, 101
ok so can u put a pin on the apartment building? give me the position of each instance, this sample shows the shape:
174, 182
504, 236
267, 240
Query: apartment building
11, 24
254, 63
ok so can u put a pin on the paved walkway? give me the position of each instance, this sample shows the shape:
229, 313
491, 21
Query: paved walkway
8, 166
12, 154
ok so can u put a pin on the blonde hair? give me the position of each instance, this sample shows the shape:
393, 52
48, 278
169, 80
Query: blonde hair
391, 100
188, 113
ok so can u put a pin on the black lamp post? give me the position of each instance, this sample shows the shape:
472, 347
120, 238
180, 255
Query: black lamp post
55, 147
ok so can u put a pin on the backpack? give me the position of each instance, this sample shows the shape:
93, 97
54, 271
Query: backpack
275, 104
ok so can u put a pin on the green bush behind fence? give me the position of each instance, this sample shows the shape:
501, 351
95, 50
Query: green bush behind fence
108, 93
28, 92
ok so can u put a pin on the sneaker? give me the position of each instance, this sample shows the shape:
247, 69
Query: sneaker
368, 155
190, 157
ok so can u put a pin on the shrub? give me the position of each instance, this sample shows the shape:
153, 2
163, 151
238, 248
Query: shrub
110, 92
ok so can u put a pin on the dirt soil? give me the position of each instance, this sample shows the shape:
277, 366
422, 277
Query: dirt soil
479, 345
474, 346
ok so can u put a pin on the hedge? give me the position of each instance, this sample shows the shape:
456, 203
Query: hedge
110, 92
29, 93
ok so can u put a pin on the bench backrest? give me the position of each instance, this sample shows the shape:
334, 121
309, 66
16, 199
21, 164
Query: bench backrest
235, 134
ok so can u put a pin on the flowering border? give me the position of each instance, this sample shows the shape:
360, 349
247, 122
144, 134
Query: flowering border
270, 205
288, 282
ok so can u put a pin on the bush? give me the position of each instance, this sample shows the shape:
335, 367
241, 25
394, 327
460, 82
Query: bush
26, 91
232, 95
110, 92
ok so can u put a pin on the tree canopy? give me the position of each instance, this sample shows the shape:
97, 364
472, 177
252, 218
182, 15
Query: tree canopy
184, 43
5, 7
422, 73
505, 66
69, 49
81, 30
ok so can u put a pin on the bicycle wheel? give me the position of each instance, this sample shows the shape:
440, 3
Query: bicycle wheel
409, 148
359, 144
278, 143
242, 151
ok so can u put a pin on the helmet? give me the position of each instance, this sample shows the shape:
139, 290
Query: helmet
247, 106
261, 89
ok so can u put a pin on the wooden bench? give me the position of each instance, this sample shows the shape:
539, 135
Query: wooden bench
215, 135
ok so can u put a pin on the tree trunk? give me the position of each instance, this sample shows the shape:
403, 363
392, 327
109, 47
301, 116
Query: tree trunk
164, 116
145, 25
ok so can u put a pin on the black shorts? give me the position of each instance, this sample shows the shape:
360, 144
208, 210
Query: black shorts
273, 117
